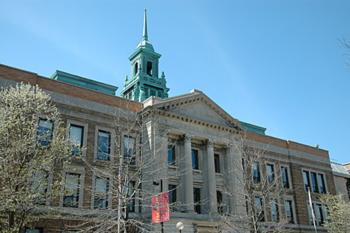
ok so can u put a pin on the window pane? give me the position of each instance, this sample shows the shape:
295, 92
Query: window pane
197, 200
256, 172
44, 132
39, 187
270, 171
76, 134
101, 193
306, 178
195, 164
217, 163
285, 177
219, 202
314, 182
129, 149
172, 193
274, 211
319, 214
321, 183
103, 145
171, 155
131, 196
71, 190
33, 230
259, 209
288, 205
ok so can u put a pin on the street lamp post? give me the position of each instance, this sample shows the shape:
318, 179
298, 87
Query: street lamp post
180, 226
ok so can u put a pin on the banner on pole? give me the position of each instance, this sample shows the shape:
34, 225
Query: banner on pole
160, 208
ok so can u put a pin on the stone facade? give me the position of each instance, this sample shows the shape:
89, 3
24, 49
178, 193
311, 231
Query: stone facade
188, 122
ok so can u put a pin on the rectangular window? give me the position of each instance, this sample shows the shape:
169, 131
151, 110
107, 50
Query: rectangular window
172, 193
275, 217
35, 230
101, 193
71, 190
40, 183
256, 172
219, 202
45, 132
306, 178
314, 182
285, 177
270, 172
259, 209
321, 183
131, 196
195, 162
76, 136
217, 163
197, 200
129, 149
288, 206
103, 145
171, 155
320, 217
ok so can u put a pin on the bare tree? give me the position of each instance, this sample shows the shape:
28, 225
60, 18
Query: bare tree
260, 202
130, 162
32, 149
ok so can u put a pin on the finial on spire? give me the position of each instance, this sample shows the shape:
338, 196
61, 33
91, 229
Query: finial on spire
145, 33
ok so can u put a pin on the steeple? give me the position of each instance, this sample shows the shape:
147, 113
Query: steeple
145, 33
144, 80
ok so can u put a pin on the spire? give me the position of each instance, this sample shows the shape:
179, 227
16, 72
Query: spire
145, 33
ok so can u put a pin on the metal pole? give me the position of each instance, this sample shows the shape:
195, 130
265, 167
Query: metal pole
161, 190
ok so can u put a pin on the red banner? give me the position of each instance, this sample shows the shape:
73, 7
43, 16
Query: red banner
160, 208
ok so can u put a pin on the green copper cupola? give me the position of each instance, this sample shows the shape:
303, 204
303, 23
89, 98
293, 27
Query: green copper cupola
144, 80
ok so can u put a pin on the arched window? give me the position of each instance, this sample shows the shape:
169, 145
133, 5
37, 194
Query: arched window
136, 67
149, 68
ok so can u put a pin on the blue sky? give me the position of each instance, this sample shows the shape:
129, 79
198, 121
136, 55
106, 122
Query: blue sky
277, 64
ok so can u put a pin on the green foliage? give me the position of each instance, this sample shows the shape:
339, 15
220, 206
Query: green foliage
26, 165
338, 220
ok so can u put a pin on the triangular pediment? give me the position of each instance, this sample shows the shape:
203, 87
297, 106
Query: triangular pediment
196, 105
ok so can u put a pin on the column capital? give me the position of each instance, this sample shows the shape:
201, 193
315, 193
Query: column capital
210, 143
187, 137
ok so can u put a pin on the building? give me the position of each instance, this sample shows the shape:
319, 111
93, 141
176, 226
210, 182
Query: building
188, 143
341, 180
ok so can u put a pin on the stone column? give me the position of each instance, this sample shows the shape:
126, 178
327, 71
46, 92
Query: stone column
164, 160
187, 174
234, 179
213, 208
